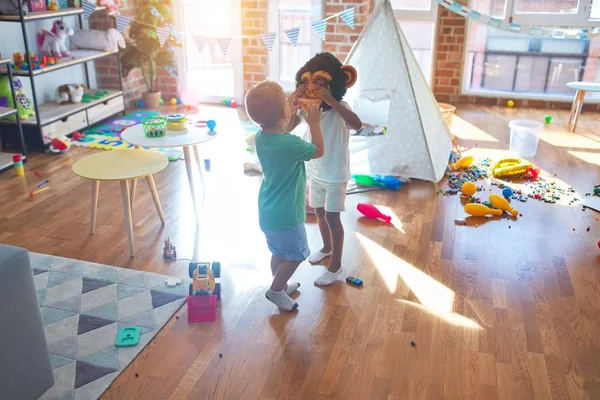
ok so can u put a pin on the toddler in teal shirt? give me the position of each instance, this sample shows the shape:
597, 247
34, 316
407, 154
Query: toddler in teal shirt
281, 207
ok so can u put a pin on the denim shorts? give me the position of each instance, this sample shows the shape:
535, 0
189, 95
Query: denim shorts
290, 243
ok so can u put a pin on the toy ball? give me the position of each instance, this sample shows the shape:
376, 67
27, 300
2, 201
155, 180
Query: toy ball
211, 124
469, 188
224, 102
232, 104
597, 190
507, 192
161, 101
173, 101
227, 103
141, 103
548, 119
510, 103
178, 100
189, 97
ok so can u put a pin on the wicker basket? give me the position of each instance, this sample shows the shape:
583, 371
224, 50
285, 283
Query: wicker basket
447, 111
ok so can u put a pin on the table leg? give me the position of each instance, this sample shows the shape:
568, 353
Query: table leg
152, 186
127, 212
188, 166
199, 161
95, 188
576, 110
133, 186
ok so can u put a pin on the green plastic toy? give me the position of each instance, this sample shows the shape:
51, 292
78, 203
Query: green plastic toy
24, 105
366, 180
128, 336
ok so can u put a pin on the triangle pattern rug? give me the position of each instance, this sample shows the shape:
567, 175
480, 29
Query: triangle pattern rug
83, 306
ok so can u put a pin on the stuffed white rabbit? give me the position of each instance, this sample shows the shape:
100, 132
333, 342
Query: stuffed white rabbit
91, 39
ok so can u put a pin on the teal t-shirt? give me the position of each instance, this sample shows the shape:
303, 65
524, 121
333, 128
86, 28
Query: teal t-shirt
281, 197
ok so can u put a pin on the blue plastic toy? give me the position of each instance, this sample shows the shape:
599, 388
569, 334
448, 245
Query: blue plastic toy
211, 124
178, 100
507, 192
391, 182
354, 281
141, 103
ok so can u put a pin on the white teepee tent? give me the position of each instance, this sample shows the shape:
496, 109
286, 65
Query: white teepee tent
391, 91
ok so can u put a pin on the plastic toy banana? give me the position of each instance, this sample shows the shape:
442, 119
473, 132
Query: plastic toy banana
511, 167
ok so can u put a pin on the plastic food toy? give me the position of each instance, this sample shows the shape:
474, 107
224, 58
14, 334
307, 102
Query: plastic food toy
60, 144
462, 163
511, 167
354, 281
479, 210
369, 210
176, 122
468, 188
203, 276
502, 204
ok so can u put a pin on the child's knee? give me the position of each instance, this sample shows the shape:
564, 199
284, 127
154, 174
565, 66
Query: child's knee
333, 218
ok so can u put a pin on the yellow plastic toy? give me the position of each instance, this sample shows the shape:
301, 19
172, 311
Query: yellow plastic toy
479, 210
510, 104
462, 163
203, 276
510, 167
469, 188
501, 203
173, 101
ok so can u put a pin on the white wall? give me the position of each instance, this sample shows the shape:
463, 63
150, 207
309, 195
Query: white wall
46, 85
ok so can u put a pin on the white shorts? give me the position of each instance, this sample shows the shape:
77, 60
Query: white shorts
331, 196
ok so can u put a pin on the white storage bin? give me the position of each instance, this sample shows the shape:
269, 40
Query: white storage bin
525, 136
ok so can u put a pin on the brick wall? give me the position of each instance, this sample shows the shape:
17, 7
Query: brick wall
108, 74
255, 53
340, 37
450, 46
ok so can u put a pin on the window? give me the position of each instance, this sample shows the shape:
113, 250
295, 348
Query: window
417, 19
500, 62
285, 59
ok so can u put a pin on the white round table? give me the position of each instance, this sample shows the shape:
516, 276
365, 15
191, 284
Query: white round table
581, 88
186, 139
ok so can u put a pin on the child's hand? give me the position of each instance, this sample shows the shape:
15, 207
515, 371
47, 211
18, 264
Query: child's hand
293, 100
326, 96
313, 114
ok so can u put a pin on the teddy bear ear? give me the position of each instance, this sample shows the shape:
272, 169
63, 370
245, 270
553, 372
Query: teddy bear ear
351, 75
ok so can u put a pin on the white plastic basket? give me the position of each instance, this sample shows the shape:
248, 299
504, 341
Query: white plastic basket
525, 136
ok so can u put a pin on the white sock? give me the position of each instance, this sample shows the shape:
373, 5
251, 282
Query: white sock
281, 300
327, 278
317, 256
292, 287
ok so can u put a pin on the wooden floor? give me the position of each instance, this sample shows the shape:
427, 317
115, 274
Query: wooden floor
504, 310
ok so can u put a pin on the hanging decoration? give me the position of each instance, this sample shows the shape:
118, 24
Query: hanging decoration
163, 35
212, 45
583, 33
348, 17
224, 44
200, 42
292, 34
88, 9
268, 39
320, 27
122, 23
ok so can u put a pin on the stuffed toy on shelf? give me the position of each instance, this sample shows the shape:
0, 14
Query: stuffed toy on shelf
91, 39
71, 93
112, 6
52, 42
11, 7
24, 105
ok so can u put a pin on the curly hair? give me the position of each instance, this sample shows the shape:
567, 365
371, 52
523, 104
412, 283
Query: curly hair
329, 63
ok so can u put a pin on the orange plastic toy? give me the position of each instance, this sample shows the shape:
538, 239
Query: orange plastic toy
479, 210
462, 163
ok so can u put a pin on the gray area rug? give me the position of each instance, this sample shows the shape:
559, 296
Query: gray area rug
83, 306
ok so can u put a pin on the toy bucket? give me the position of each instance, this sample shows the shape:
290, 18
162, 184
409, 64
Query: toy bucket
202, 308
155, 126
525, 136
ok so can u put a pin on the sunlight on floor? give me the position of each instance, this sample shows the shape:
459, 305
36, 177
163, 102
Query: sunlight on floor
451, 318
464, 130
592, 158
435, 298
560, 138
395, 220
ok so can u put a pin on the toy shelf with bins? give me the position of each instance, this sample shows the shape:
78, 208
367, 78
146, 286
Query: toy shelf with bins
5, 112
53, 119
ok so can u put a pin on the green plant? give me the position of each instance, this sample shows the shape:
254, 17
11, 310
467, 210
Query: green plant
143, 49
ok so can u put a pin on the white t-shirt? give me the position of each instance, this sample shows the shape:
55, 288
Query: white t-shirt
334, 166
